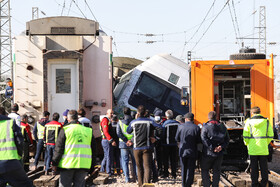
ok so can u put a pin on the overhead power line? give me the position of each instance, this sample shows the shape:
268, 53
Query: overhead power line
204, 19
63, 8
90, 10
69, 7
79, 8
238, 31
233, 23
210, 24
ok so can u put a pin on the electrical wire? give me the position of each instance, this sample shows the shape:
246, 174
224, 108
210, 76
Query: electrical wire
69, 7
204, 19
210, 24
238, 31
63, 8
233, 23
92, 13
79, 8
90, 10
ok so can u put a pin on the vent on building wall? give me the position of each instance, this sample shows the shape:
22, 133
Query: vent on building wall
63, 30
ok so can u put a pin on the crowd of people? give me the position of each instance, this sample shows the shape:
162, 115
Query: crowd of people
154, 145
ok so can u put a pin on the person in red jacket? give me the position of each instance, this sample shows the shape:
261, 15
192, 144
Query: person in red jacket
28, 141
50, 135
107, 142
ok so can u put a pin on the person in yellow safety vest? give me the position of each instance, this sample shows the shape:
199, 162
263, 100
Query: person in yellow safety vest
74, 152
50, 136
11, 148
125, 144
257, 134
38, 133
28, 141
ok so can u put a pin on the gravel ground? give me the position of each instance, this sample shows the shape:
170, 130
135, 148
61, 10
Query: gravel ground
117, 181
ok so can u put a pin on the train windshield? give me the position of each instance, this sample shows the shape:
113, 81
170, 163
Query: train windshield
154, 92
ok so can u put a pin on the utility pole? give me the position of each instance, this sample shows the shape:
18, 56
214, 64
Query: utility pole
190, 79
6, 66
35, 13
262, 30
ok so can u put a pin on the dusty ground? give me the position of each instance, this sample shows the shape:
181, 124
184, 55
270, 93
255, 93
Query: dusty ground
118, 181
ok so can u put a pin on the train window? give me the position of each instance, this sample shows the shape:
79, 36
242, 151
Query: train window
173, 78
173, 101
119, 88
151, 88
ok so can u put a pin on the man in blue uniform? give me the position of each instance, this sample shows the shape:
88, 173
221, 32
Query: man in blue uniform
188, 134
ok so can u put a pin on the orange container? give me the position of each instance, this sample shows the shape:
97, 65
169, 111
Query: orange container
203, 82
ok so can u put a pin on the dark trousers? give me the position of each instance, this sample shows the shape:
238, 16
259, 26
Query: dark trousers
213, 163
106, 163
170, 153
116, 158
39, 150
25, 156
257, 161
50, 152
154, 170
72, 177
187, 167
15, 177
143, 160
158, 150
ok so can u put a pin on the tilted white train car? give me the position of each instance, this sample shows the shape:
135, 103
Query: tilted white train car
156, 83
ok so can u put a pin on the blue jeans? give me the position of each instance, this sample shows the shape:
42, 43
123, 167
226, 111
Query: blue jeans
106, 163
50, 151
125, 160
39, 149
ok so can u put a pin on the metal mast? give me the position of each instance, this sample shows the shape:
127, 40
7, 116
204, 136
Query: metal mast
6, 66
35, 13
262, 30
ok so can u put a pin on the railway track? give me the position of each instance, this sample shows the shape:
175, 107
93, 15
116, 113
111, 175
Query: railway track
228, 179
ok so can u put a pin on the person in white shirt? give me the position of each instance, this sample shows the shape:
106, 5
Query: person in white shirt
14, 115
82, 119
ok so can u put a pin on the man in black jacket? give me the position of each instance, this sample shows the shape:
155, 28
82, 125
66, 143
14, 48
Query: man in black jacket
215, 139
188, 134
143, 129
169, 144
11, 148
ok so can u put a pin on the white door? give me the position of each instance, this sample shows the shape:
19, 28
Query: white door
63, 87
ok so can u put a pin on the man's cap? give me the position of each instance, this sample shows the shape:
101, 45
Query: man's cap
189, 116
65, 112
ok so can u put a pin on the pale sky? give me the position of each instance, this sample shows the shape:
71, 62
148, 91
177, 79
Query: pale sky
174, 23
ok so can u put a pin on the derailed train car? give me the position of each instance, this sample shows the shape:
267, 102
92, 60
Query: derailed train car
156, 83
